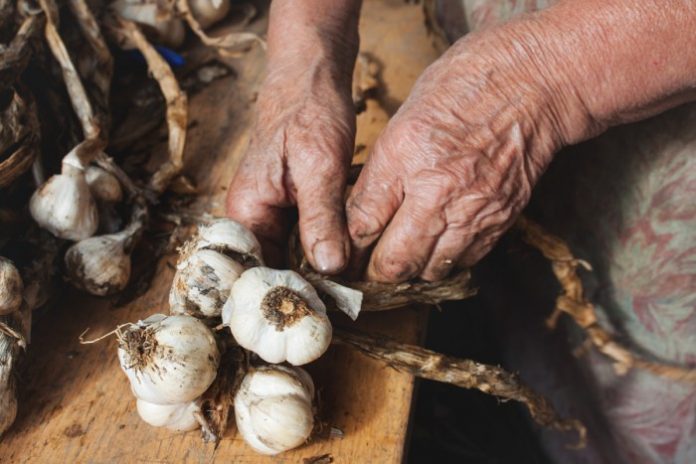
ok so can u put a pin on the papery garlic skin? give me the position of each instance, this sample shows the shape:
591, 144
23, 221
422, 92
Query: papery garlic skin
176, 417
277, 315
99, 265
208, 12
231, 238
11, 287
169, 29
202, 283
103, 185
64, 205
169, 359
273, 408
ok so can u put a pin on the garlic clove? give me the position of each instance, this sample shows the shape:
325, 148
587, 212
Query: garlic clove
169, 359
64, 205
273, 408
277, 315
202, 283
231, 238
11, 287
208, 12
168, 29
103, 185
99, 265
177, 417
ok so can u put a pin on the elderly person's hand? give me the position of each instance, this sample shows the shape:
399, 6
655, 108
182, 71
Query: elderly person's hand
303, 136
458, 161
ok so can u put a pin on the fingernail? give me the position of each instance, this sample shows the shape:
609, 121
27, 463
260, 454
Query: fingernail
329, 256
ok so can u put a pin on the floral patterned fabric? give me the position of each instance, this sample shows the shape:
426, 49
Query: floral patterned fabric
626, 202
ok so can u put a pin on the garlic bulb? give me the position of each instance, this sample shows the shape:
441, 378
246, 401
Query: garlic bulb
231, 238
177, 417
64, 205
169, 29
277, 315
103, 185
100, 265
202, 283
169, 359
273, 408
208, 12
11, 287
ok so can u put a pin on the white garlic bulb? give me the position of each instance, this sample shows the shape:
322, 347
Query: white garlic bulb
208, 12
273, 408
64, 205
202, 283
177, 417
169, 29
277, 315
231, 238
169, 359
11, 287
100, 265
103, 185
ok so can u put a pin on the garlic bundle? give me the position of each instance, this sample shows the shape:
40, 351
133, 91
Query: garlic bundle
277, 315
169, 30
64, 205
11, 287
202, 283
104, 186
232, 239
177, 417
100, 265
208, 12
168, 359
273, 408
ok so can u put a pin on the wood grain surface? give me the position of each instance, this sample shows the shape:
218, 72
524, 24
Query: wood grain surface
76, 403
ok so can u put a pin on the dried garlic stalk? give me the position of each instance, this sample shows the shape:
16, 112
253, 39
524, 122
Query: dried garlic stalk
464, 373
572, 302
177, 111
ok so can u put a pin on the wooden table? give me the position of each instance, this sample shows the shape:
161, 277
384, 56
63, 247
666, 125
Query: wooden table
76, 405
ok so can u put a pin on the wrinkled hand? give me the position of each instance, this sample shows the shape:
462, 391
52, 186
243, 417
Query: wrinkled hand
457, 163
299, 153
303, 136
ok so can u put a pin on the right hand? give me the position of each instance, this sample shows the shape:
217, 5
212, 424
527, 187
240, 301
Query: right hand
301, 146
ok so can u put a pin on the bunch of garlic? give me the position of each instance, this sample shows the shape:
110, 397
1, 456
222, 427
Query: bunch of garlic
209, 265
64, 204
170, 362
273, 408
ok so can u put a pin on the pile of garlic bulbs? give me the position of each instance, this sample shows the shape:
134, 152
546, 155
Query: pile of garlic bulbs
275, 314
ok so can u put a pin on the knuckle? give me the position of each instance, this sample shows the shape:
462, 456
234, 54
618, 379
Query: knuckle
394, 269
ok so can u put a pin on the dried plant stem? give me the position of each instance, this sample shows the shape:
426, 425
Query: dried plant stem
76, 90
572, 301
92, 32
177, 111
15, 56
464, 373
228, 44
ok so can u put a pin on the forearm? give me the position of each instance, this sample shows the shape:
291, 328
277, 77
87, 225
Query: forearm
616, 60
311, 34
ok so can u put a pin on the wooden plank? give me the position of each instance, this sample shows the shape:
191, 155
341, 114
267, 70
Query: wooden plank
76, 405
